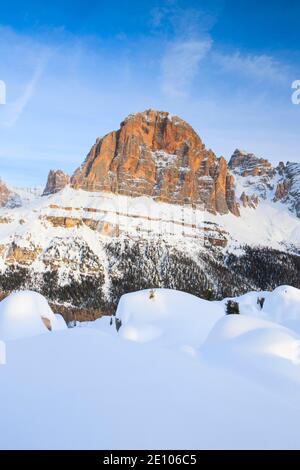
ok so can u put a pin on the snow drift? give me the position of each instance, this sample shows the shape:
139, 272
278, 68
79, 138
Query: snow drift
282, 306
167, 316
241, 334
26, 313
179, 374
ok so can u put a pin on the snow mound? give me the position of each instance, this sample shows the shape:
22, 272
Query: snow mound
281, 306
170, 317
247, 336
237, 388
2, 353
26, 313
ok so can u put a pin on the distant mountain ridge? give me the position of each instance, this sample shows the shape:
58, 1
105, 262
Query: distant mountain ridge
260, 179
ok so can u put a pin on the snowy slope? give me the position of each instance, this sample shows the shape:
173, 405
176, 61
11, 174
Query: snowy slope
77, 247
142, 217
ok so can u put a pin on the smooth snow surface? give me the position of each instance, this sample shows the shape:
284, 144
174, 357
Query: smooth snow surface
241, 334
172, 318
179, 374
283, 306
21, 315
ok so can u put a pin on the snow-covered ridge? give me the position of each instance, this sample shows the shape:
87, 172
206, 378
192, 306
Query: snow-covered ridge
60, 242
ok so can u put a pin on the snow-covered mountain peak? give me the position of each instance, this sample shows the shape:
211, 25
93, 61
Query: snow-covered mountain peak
248, 164
256, 178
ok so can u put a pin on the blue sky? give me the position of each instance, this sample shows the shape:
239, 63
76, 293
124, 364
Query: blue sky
74, 70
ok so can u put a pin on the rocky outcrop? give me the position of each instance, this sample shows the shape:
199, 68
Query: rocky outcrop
8, 198
21, 255
282, 190
161, 156
254, 175
257, 177
4, 194
231, 195
288, 186
56, 181
247, 164
249, 201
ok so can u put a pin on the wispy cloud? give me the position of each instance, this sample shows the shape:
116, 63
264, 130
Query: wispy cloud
180, 65
23, 60
16, 108
260, 67
190, 43
184, 22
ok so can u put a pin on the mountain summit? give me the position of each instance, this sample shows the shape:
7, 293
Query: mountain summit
158, 155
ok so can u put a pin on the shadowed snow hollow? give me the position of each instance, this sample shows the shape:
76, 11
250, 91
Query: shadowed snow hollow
26, 313
170, 317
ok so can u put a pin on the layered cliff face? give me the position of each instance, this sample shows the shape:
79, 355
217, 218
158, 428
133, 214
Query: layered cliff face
161, 156
57, 180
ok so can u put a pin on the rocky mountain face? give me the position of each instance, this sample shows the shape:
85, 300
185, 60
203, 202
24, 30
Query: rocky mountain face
288, 186
158, 155
259, 179
57, 180
8, 198
209, 228
255, 175
247, 164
